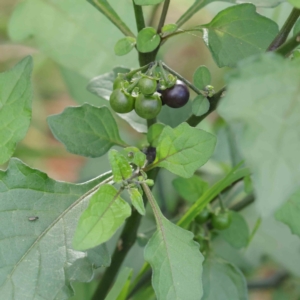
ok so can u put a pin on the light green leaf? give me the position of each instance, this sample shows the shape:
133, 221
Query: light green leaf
154, 133
223, 281
124, 45
15, 106
134, 156
175, 276
137, 200
147, 40
72, 32
190, 189
201, 77
267, 134
200, 105
295, 3
120, 166
86, 130
119, 290
41, 260
105, 214
237, 33
147, 2
169, 28
289, 213
184, 149
237, 234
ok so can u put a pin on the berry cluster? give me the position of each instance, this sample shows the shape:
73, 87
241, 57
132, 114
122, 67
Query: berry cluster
147, 93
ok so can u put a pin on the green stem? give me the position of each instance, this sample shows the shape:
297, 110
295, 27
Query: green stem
110, 13
150, 122
285, 30
131, 73
139, 16
289, 46
191, 11
163, 15
249, 199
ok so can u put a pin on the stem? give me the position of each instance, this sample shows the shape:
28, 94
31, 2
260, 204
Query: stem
110, 13
163, 15
249, 199
221, 203
150, 122
153, 15
189, 84
139, 16
285, 30
289, 46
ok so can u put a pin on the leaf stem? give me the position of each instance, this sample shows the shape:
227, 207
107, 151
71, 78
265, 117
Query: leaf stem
139, 16
111, 14
163, 15
289, 46
285, 30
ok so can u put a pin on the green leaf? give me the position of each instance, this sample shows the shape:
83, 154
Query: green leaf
237, 33
289, 213
137, 200
120, 288
190, 189
223, 281
154, 133
105, 214
125, 45
15, 106
73, 33
134, 156
86, 130
267, 134
147, 40
201, 77
42, 249
148, 2
175, 276
184, 149
295, 3
169, 28
200, 105
120, 166
237, 234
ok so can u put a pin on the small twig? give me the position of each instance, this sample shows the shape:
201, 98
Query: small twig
249, 199
289, 46
163, 15
139, 16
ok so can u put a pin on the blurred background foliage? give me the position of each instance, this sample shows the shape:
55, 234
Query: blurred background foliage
71, 42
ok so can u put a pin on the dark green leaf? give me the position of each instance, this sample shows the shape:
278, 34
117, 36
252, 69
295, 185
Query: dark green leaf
147, 40
15, 106
223, 281
266, 133
289, 213
120, 166
237, 234
125, 45
86, 130
41, 259
148, 2
238, 32
190, 189
201, 77
200, 105
137, 200
154, 132
105, 214
184, 149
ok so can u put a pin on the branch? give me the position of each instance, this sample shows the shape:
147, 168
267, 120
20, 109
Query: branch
249, 199
289, 46
139, 16
163, 16
285, 30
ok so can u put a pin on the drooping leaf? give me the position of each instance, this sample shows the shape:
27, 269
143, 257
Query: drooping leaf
120, 166
222, 280
147, 40
289, 213
176, 262
237, 234
201, 77
105, 214
124, 45
134, 156
102, 86
137, 200
184, 149
37, 258
200, 105
119, 290
86, 130
190, 189
266, 133
72, 33
238, 32
154, 132
147, 2
15, 106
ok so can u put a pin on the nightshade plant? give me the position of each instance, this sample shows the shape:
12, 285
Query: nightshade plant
55, 233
